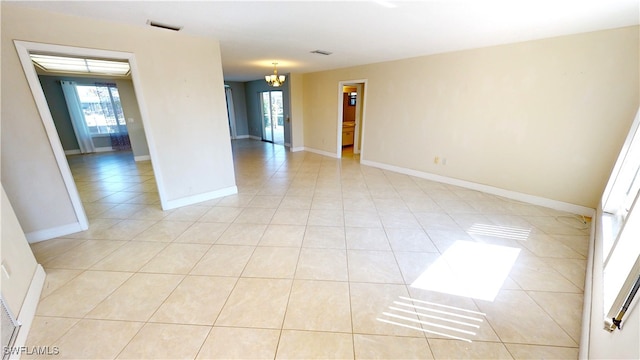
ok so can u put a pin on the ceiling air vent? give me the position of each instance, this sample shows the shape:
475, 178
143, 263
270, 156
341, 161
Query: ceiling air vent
163, 26
321, 52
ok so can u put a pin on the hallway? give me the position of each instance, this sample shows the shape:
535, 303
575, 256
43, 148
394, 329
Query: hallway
315, 257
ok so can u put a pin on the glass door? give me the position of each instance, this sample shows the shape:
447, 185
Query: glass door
272, 116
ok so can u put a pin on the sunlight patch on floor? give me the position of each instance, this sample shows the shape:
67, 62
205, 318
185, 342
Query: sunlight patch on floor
469, 269
504, 232
449, 321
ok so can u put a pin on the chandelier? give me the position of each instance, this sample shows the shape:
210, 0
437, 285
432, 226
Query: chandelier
275, 80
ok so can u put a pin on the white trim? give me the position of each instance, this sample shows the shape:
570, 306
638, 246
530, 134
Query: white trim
620, 160
255, 137
29, 306
287, 145
320, 152
531, 199
190, 200
359, 118
54, 232
72, 152
23, 48
142, 158
587, 306
340, 117
242, 137
296, 149
363, 116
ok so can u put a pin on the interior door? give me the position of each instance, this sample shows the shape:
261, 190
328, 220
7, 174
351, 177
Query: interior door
272, 116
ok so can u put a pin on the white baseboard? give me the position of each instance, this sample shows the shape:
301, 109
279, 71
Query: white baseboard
51, 233
587, 309
98, 149
28, 309
142, 158
530, 199
287, 145
190, 200
320, 152
296, 149
252, 137
104, 149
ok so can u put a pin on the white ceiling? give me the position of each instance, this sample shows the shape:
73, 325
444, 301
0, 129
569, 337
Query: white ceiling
253, 34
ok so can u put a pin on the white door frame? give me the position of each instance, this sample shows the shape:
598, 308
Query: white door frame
359, 105
23, 49
361, 85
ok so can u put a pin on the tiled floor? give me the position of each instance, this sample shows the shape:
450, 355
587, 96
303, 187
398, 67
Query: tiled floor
314, 258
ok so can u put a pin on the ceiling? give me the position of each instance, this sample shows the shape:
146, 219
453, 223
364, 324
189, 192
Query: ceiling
254, 34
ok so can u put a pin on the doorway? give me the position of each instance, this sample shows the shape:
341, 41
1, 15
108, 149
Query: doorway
24, 49
271, 105
351, 107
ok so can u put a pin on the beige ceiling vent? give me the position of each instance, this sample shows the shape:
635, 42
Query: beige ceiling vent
321, 52
163, 26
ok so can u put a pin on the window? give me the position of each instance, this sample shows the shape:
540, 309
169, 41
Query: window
102, 109
621, 225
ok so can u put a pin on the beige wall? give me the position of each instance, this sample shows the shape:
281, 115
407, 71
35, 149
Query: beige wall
131, 110
182, 91
29, 172
544, 118
17, 258
296, 87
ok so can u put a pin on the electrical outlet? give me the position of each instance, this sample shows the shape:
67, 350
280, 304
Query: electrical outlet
444, 161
